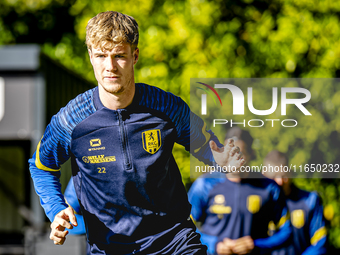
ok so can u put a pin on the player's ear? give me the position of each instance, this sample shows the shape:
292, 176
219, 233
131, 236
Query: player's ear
135, 56
90, 55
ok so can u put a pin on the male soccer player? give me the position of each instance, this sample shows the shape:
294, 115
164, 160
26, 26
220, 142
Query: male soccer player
235, 211
119, 137
306, 212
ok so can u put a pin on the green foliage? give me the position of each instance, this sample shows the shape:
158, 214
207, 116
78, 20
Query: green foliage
187, 39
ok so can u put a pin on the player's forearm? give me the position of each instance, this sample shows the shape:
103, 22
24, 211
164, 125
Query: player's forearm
209, 241
317, 249
48, 188
276, 240
204, 153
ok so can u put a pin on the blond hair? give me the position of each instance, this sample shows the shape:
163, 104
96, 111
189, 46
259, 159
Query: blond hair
107, 29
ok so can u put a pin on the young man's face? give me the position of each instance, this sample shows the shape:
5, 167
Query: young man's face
114, 70
279, 177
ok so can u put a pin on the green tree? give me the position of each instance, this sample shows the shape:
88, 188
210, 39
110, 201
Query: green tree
187, 39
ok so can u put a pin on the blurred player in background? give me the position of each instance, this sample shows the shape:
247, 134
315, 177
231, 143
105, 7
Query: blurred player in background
120, 137
235, 212
306, 211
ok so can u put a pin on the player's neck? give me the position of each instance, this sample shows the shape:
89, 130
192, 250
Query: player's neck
116, 101
236, 177
287, 189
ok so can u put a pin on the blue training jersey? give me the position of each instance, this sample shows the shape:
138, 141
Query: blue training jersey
232, 210
309, 231
126, 179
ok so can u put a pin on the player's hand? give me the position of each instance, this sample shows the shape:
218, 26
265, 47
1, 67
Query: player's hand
225, 247
62, 220
227, 155
243, 245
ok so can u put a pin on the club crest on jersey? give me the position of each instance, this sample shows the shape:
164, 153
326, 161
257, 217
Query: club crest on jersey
152, 140
253, 203
219, 206
298, 218
219, 199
